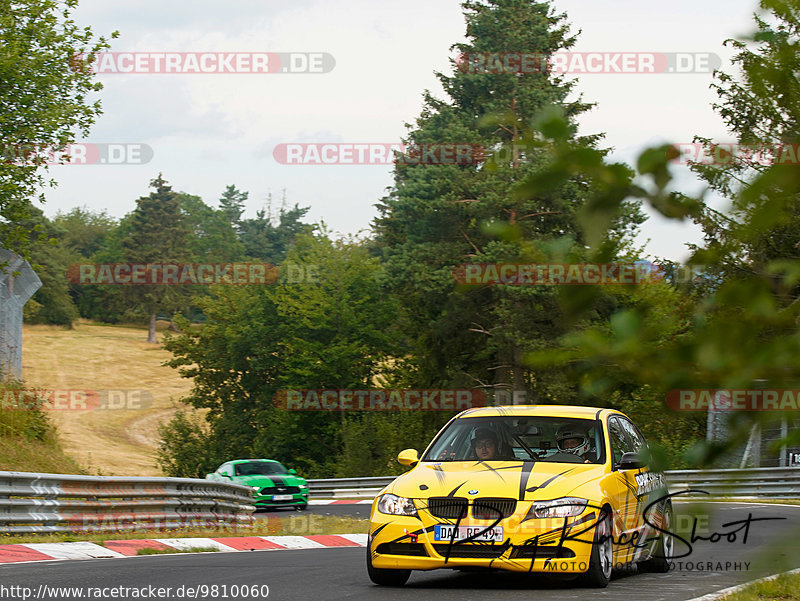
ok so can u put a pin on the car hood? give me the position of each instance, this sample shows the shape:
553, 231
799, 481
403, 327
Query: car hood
274, 480
514, 479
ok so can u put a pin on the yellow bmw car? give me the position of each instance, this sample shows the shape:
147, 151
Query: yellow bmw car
526, 488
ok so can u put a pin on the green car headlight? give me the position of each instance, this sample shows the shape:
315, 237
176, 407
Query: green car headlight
394, 505
565, 507
302, 486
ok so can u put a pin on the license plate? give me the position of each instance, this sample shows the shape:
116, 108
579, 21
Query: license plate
281, 497
480, 533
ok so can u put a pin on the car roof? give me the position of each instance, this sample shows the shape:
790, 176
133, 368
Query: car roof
250, 460
577, 411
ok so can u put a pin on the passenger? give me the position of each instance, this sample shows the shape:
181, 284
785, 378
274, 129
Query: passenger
574, 441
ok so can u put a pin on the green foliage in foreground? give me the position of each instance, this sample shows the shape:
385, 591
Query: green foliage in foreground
737, 329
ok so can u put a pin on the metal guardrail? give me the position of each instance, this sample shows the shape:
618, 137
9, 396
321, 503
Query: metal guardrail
348, 487
31, 502
765, 482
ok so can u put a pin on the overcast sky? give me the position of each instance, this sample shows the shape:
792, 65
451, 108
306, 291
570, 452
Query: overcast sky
208, 131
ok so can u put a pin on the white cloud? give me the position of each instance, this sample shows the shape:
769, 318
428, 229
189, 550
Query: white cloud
208, 131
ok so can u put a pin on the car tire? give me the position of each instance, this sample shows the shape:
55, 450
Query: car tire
384, 577
302, 507
662, 555
601, 559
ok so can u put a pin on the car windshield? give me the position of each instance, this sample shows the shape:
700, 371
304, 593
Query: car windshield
259, 468
549, 439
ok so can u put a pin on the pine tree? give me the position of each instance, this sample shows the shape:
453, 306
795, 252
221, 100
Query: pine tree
439, 216
157, 234
232, 202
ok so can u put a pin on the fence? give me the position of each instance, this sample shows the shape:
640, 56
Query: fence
31, 502
736, 483
15, 290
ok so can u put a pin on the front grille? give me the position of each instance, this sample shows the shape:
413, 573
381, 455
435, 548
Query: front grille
477, 551
542, 552
417, 549
491, 509
279, 490
448, 508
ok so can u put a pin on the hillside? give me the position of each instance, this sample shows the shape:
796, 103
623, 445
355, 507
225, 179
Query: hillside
28, 443
120, 438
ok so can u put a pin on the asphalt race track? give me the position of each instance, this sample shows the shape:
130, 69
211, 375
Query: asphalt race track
339, 573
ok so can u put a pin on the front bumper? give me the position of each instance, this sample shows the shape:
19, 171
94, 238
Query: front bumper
297, 500
532, 545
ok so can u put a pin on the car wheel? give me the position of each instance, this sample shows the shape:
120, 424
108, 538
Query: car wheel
601, 560
302, 507
385, 577
662, 554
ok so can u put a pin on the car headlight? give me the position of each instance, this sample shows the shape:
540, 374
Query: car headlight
394, 505
255, 488
565, 507
302, 486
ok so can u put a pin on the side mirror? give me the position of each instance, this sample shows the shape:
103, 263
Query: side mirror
631, 461
228, 476
291, 471
409, 457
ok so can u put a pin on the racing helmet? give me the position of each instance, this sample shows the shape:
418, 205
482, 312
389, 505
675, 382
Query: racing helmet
567, 432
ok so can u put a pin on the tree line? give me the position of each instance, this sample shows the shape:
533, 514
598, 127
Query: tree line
386, 311
165, 227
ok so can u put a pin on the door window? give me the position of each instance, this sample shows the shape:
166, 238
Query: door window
620, 443
639, 443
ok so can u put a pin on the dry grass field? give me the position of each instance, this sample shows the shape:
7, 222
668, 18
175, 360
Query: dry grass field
116, 440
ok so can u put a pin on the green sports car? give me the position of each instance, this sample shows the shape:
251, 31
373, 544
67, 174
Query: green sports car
273, 485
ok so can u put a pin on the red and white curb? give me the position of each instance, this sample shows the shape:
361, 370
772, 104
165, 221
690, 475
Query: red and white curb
126, 548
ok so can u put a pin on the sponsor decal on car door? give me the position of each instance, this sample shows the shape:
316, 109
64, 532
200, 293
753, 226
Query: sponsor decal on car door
627, 509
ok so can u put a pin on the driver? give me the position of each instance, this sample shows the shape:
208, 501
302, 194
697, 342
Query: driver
574, 440
487, 446
484, 443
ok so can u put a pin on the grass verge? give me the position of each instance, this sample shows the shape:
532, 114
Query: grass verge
783, 588
297, 524
169, 551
